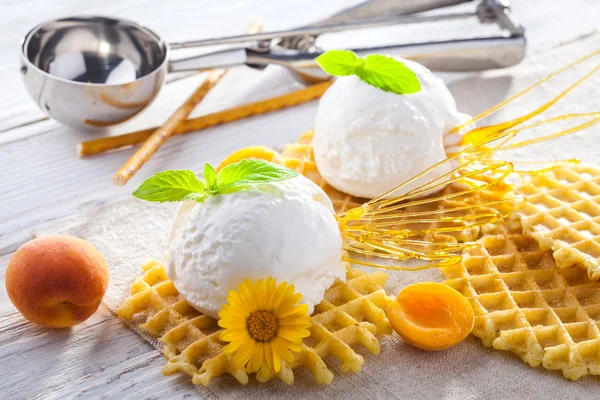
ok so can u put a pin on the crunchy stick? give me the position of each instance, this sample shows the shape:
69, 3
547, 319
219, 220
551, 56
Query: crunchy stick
160, 135
206, 121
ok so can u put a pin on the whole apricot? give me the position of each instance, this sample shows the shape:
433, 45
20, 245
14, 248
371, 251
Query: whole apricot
57, 281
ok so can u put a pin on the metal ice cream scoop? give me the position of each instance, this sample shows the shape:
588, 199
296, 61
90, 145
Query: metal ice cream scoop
90, 72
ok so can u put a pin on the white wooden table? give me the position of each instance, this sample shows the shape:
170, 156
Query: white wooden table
42, 179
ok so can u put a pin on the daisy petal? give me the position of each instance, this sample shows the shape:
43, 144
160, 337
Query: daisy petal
232, 347
247, 295
257, 360
269, 356
261, 289
287, 304
278, 296
295, 323
291, 335
299, 309
232, 335
243, 353
232, 321
276, 359
279, 347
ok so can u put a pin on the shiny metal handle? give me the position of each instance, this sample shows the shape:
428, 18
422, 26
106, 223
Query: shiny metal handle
472, 54
218, 59
488, 11
320, 29
381, 8
475, 54
454, 55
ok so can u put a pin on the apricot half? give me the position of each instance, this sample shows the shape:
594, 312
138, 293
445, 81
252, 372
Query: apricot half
260, 152
431, 316
57, 281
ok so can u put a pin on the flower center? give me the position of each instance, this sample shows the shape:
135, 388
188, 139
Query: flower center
262, 326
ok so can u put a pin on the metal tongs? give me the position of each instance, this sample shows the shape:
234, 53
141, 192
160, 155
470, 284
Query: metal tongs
296, 49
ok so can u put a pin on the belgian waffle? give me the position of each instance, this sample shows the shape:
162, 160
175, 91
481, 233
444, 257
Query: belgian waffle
563, 214
524, 304
351, 313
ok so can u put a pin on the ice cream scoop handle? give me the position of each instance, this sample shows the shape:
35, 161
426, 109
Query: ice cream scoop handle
459, 55
473, 54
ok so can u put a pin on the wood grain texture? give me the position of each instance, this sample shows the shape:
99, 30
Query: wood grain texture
43, 179
229, 115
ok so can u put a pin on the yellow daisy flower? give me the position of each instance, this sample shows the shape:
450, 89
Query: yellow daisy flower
263, 324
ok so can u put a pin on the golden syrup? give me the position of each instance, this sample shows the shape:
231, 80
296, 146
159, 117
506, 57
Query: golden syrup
385, 228
480, 134
389, 230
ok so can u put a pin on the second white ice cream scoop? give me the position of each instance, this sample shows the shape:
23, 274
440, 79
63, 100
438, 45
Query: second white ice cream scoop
368, 141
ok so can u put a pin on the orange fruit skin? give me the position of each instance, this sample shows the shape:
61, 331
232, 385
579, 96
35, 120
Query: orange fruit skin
431, 316
57, 281
260, 152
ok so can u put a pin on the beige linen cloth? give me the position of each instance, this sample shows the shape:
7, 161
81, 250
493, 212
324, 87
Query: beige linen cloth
130, 231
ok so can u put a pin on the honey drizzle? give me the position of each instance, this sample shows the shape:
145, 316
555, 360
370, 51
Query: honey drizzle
502, 104
554, 135
382, 229
538, 167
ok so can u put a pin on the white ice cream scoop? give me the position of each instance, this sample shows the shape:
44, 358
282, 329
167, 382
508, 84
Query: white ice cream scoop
285, 229
368, 141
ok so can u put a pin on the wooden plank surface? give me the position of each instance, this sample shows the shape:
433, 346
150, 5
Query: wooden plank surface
43, 180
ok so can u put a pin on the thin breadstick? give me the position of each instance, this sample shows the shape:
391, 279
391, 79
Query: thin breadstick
161, 135
96, 146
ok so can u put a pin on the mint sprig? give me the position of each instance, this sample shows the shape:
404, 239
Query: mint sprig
248, 172
380, 71
210, 175
339, 62
181, 185
170, 186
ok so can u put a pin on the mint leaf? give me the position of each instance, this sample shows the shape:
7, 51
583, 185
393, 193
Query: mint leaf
184, 185
388, 74
210, 176
380, 71
172, 185
249, 172
197, 197
338, 62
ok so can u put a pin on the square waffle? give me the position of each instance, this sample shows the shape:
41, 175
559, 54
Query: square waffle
524, 304
563, 214
351, 313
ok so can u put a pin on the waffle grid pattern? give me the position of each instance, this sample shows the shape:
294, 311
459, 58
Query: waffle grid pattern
351, 313
563, 214
524, 304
